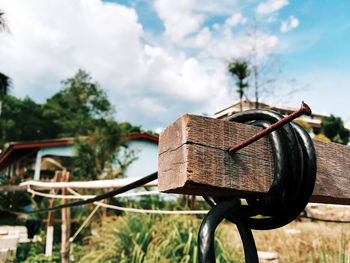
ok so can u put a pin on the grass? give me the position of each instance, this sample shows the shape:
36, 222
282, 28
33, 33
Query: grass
311, 242
147, 238
138, 238
153, 238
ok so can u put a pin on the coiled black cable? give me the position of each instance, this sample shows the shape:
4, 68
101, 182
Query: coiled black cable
294, 179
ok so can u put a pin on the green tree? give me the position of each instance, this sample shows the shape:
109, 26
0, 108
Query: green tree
240, 71
127, 128
96, 156
82, 110
333, 128
3, 23
79, 106
4, 80
5, 83
23, 120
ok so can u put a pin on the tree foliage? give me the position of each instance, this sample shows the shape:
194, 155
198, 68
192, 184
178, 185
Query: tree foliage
303, 124
149, 238
95, 157
240, 71
333, 128
321, 137
78, 107
22, 119
127, 128
81, 109
3, 22
5, 81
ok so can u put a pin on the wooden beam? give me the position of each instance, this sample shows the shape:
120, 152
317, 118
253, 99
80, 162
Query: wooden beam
65, 227
50, 219
193, 159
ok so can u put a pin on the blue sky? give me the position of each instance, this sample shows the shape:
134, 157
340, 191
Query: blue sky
160, 59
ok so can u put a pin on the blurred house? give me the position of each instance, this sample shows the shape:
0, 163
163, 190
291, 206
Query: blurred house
38, 159
145, 147
314, 121
33, 160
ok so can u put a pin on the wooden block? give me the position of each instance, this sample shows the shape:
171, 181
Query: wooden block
193, 159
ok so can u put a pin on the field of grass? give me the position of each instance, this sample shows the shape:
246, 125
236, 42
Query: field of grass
142, 238
298, 242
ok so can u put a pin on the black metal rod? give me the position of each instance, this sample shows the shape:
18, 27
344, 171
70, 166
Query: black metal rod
206, 251
250, 252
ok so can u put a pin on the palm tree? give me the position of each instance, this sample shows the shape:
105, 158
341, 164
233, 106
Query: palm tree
3, 23
240, 71
5, 81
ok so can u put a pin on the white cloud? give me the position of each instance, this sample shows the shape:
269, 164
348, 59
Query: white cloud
288, 25
201, 39
148, 83
271, 6
54, 38
235, 20
178, 18
151, 80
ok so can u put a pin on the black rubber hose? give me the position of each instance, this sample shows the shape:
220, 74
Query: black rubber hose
206, 250
132, 185
294, 179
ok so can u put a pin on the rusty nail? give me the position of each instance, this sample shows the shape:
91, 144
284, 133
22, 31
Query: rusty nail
304, 109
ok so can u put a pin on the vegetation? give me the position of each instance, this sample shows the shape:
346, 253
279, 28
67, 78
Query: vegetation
333, 128
3, 23
147, 238
240, 71
303, 124
33, 252
5, 81
23, 119
80, 109
143, 238
321, 137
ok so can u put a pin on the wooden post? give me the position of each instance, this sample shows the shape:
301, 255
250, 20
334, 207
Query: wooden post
193, 159
65, 224
50, 219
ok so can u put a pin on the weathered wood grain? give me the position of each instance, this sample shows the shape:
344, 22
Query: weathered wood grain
193, 159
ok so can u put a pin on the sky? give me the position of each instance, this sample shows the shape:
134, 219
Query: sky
158, 60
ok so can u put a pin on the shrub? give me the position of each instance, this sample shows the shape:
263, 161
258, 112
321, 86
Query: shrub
146, 238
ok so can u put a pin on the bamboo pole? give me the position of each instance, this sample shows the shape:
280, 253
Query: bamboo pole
65, 224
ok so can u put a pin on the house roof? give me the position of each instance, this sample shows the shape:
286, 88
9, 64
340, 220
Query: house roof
247, 104
18, 150
142, 136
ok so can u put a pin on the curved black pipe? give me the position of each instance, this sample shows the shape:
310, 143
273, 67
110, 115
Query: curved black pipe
294, 179
206, 250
